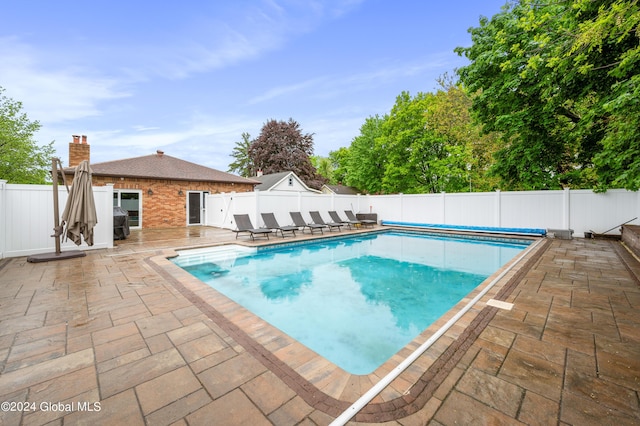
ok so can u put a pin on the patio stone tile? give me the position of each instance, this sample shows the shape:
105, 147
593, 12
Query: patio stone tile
201, 347
575, 410
517, 326
33, 346
75, 344
498, 336
11, 307
461, 409
190, 332
175, 412
114, 333
84, 324
230, 374
22, 323
543, 350
494, 392
532, 373
489, 361
13, 417
43, 371
161, 391
158, 343
233, 408
268, 392
619, 362
116, 348
538, 410
64, 387
212, 360
158, 324
291, 413
122, 360
119, 409
126, 376
603, 392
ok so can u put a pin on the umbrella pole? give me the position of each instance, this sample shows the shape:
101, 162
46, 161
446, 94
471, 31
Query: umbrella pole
56, 210
57, 230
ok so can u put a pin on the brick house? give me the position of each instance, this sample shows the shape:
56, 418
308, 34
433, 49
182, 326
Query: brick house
158, 190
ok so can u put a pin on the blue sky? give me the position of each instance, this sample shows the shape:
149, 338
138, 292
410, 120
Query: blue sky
190, 77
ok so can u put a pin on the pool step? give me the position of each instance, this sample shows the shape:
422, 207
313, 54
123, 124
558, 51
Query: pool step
221, 255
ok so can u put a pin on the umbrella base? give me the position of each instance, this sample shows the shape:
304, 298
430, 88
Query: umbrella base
46, 257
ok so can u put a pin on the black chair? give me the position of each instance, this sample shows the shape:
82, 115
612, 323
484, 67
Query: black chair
363, 222
337, 219
243, 222
299, 221
271, 223
317, 219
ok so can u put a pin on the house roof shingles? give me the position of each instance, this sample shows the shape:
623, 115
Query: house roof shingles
162, 166
269, 181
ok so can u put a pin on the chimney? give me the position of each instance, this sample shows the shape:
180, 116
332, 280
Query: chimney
78, 151
259, 173
160, 153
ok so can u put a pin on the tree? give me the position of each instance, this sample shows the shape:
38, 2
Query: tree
338, 161
242, 164
282, 147
559, 81
21, 159
365, 161
429, 143
324, 167
449, 116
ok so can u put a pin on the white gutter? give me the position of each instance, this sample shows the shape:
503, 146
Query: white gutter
393, 374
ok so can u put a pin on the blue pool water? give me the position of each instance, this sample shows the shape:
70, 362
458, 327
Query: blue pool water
357, 300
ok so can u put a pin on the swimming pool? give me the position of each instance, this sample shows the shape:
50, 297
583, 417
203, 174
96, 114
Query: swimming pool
357, 300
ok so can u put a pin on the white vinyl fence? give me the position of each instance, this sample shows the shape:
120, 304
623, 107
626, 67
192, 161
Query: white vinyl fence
26, 211
580, 210
26, 219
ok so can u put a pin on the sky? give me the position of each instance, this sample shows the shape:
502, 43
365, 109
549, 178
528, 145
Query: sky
190, 77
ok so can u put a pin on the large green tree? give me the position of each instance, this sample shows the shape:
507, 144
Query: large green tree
365, 160
242, 163
282, 147
558, 81
22, 160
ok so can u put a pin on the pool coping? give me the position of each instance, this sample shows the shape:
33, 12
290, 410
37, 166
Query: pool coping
327, 387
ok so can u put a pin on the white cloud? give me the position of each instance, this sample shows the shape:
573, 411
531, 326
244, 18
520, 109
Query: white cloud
57, 93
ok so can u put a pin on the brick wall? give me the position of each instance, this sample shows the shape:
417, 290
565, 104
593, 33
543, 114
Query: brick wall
166, 207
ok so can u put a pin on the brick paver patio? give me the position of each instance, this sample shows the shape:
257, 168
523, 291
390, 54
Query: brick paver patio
112, 339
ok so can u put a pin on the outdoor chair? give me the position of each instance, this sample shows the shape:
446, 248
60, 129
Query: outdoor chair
317, 219
363, 222
271, 223
299, 221
337, 219
243, 222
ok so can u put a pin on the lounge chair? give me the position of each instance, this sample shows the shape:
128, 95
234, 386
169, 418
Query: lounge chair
271, 223
364, 222
243, 222
299, 221
336, 219
317, 219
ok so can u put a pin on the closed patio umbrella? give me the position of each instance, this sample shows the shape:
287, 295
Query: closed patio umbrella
79, 215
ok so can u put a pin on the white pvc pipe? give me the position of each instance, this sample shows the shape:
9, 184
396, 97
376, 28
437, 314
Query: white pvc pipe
386, 380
